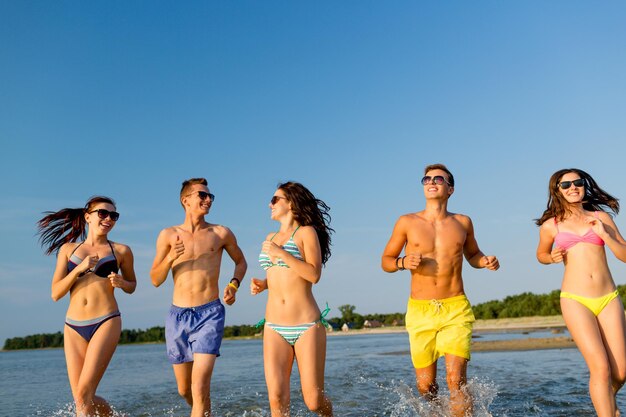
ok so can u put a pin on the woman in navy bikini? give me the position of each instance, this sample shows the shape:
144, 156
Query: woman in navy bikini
293, 258
574, 230
89, 272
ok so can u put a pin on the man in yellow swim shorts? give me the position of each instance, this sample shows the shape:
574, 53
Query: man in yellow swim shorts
439, 317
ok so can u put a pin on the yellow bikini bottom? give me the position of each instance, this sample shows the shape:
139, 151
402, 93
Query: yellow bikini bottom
595, 305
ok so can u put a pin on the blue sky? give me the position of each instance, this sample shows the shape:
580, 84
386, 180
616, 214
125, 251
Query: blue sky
350, 98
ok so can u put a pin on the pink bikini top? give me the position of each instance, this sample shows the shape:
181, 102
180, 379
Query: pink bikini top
566, 240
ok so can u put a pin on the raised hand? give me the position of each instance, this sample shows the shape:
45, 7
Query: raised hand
88, 264
412, 260
491, 263
117, 281
178, 248
557, 254
257, 286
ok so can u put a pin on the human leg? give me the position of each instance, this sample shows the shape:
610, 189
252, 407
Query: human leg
422, 325
456, 377
426, 380
310, 351
97, 355
454, 340
613, 330
182, 373
584, 328
193, 336
201, 373
278, 358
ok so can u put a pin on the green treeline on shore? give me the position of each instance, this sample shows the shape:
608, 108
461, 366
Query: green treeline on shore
521, 305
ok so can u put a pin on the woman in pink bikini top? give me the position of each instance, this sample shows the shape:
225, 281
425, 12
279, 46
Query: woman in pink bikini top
575, 230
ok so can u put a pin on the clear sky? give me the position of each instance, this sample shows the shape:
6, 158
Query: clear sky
351, 98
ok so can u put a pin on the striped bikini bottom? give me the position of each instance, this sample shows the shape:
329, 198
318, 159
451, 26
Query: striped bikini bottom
291, 334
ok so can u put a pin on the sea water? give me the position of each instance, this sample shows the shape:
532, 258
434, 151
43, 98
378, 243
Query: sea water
366, 376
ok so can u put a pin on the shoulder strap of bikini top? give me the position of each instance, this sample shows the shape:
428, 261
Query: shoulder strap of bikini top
272, 238
556, 224
596, 214
77, 246
112, 250
294, 232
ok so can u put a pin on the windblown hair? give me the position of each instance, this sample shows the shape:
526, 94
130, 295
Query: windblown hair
310, 211
66, 225
444, 169
184, 190
595, 197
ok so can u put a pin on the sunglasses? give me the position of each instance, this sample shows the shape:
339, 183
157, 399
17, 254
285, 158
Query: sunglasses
567, 184
275, 199
437, 179
103, 214
203, 195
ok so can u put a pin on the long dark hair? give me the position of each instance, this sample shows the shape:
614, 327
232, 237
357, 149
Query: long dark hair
310, 211
595, 197
66, 225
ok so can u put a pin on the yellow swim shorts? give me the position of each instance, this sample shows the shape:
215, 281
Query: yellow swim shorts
439, 327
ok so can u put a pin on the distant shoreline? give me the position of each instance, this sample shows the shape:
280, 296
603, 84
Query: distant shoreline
509, 325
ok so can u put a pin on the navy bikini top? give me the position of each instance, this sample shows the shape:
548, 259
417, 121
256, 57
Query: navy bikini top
102, 269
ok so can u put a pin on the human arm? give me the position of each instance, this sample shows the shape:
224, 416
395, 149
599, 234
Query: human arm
127, 280
389, 260
605, 227
475, 257
546, 254
62, 281
168, 248
241, 266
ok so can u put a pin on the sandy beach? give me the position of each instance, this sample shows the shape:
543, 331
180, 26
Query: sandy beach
555, 324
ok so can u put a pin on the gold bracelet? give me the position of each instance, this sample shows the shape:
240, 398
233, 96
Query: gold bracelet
230, 284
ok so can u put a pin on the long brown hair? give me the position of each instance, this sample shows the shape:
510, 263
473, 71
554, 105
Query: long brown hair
66, 225
310, 211
595, 197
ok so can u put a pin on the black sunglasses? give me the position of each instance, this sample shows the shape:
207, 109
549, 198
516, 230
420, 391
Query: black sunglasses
275, 199
103, 214
437, 179
203, 195
567, 184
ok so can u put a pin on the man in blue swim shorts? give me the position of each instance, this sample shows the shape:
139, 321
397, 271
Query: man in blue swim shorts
439, 317
195, 325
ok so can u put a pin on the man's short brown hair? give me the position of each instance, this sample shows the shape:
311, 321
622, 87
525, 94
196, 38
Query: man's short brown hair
187, 185
444, 169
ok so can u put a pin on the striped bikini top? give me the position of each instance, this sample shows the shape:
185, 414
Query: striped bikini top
291, 248
566, 240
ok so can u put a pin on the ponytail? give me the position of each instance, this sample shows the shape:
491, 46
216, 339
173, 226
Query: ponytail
66, 225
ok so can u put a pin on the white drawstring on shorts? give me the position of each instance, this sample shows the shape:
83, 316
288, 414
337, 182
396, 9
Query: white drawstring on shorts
438, 305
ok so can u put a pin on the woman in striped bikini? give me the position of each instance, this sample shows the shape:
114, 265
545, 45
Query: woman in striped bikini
293, 258
89, 272
574, 230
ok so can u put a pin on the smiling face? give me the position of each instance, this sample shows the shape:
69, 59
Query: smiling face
197, 199
437, 191
573, 193
279, 205
96, 223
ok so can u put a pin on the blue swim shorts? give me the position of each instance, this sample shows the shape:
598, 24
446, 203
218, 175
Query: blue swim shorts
190, 330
